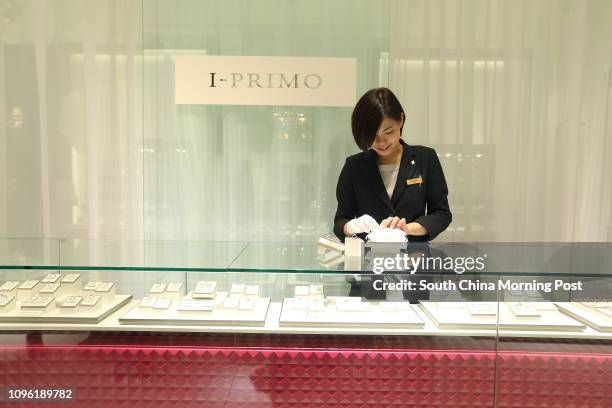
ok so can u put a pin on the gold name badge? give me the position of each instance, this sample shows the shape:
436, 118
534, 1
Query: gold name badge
412, 181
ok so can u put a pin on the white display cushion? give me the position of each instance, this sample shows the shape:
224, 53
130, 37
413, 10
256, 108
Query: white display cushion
84, 315
480, 308
104, 287
158, 288
187, 313
28, 285
174, 287
49, 288
6, 299
591, 316
375, 316
523, 309
193, 305
246, 304
51, 278
91, 286
148, 301
37, 302
9, 286
456, 315
251, 290
162, 303
71, 301
71, 278
230, 303
204, 290
237, 288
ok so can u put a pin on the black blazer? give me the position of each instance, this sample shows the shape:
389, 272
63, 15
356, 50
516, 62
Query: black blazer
361, 191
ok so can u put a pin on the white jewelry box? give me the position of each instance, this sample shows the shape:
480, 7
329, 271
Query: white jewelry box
70, 304
162, 303
51, 278
251, 290
26, 289
204, 290
237, 290
192, 305
157, 288
91, 302
9, 288
230, 303
147, 302
7, 303
174, 290
71, 282
246, 304
38, 303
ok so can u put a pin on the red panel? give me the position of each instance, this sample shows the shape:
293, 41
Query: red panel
234, 377
551, 380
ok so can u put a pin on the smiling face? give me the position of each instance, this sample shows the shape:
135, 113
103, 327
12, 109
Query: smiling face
387, 140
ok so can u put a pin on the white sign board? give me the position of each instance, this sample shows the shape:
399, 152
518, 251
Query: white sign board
297, 81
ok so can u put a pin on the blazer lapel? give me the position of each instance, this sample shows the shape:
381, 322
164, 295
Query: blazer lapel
405, 172
375, 180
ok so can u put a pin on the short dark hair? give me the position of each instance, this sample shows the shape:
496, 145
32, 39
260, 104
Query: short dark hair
369, 113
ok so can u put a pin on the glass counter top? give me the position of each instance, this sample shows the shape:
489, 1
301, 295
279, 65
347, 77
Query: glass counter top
519, 259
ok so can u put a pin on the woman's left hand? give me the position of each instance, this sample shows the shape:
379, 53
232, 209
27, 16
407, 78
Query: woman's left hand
412, 228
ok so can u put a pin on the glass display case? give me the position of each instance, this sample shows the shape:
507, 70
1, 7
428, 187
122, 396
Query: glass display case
280, 324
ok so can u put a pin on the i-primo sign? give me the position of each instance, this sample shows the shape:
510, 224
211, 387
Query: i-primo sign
267, 80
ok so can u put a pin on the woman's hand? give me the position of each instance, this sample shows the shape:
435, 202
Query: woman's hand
412, 228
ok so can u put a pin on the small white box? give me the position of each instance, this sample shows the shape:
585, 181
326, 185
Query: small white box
106, 290
191, 305
316, 305
246, 304
91, 286
49, 289
71, 278
51, 278
91, 302
147, 302
162, 303
26, 289
237, 290
7, 303
9, 288
230, 303
174, 290
523, 310
28, 285
70, 304
71, 301
481, 309
315, 290
157, 288
174, 287
38, 303
205, 290
251, 290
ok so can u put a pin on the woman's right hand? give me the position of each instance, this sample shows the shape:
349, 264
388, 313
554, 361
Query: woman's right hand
365, 223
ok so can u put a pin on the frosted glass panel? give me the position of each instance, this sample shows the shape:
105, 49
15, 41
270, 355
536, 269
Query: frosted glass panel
248, 172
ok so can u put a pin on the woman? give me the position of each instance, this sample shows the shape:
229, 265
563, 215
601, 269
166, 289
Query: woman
390, 182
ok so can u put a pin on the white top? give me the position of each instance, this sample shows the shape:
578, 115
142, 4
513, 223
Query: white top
389, 172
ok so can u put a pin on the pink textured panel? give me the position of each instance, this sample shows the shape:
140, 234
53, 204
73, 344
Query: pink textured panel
552, 380
148, 376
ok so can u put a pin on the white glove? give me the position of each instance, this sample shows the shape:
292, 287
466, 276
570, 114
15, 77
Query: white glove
365, 223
